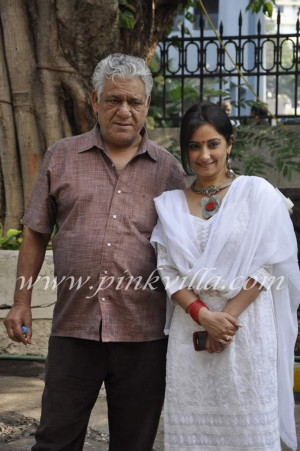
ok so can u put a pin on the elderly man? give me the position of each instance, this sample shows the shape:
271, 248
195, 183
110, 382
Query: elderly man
98, 189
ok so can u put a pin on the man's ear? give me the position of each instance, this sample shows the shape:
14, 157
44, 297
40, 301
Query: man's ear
94, 100
148, 102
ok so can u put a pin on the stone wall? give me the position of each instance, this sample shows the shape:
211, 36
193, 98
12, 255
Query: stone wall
43, 300
39, 345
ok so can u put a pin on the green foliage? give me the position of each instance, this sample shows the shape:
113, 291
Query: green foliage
172, 89
187, 14
257, 148
243, 103
12, 240
255, 6
126, 16
190, 17
127, 10
174, 148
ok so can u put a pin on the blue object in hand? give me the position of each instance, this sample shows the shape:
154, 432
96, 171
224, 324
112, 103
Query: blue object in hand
24, 329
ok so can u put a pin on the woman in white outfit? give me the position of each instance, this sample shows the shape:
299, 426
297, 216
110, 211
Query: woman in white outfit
227, 255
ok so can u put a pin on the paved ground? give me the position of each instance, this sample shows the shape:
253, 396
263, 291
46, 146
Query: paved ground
21, 385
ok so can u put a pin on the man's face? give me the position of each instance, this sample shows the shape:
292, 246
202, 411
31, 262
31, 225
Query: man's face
228, 109
121, 110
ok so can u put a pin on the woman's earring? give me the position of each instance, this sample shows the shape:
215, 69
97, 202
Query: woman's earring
229, 172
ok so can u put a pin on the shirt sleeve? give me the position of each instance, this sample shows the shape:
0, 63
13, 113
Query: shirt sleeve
170, 276
177, 178
40, 215
262, 276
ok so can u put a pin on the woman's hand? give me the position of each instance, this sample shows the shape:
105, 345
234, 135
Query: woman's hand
219, 325
215, 346
212, 345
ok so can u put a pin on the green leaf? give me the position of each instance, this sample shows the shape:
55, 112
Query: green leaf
150, 122
268, 9
126, 20
13, 232
11, 240
131, 7
160, 80
255, 6
190, 17
176, 93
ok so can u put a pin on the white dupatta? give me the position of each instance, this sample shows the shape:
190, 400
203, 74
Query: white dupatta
254, 226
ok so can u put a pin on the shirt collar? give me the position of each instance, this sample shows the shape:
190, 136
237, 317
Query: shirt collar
90, 140
93, 139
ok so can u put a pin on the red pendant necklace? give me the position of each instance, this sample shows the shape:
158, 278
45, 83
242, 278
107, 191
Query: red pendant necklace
211, 204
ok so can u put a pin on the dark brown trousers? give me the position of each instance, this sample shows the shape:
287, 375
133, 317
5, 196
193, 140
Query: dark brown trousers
134, 378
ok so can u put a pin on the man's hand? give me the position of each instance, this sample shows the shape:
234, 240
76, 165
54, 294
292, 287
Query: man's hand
30, 260
16, 318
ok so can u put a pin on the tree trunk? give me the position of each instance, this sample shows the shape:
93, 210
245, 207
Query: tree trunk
48, 51
11, 190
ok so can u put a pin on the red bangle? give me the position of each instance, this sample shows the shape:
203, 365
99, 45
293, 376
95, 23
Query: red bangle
194, 308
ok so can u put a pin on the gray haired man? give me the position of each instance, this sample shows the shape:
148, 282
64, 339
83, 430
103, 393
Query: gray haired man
98, 190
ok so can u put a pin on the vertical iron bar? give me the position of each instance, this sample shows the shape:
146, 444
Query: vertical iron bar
221, 59
202, 56
297, 61
258, 58
182, 61
239, 61
277, 61
164, 63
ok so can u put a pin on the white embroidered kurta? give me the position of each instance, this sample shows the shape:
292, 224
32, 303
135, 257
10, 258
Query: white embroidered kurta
229, 401
217, 401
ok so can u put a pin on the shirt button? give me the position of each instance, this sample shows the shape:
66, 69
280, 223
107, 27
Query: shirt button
108, 244
103, 299
119, 191
114, 216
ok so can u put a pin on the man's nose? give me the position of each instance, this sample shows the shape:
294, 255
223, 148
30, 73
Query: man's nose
124, 108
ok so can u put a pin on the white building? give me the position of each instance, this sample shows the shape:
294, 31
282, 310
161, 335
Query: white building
289, 12
228, 12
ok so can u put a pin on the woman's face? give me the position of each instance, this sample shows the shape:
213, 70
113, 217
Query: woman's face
207, 151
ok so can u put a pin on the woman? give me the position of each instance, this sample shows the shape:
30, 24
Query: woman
227, 256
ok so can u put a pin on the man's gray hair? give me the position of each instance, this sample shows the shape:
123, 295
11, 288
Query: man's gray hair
118, 65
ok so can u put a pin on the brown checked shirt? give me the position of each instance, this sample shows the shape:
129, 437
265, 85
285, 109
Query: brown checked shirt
104, 263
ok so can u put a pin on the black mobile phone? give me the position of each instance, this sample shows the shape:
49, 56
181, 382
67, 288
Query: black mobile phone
199, 340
